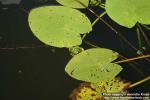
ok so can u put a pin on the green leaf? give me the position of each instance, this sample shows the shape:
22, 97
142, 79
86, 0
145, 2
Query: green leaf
128, 12
74, 3
59, 26
93, 65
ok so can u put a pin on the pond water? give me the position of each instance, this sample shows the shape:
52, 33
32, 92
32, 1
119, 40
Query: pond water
29, 70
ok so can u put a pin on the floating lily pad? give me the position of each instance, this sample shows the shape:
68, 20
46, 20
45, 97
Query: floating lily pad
93, 65
74, 3
59, 26
128, 12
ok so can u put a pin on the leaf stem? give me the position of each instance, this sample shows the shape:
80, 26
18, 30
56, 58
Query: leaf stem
134, 65
95, 21
132, 59
148, 28
89, 43
98, 18
144, 35
139, 38
139, 82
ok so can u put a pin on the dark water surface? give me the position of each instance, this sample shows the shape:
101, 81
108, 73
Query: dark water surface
38, 73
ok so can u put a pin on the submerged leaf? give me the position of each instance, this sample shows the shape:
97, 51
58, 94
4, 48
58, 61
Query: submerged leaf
74, 3
115, 85
100, 90
85, 92
93, 65
59, 26
128, 12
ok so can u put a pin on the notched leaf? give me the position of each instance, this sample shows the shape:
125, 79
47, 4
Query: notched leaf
93, 65
128, 12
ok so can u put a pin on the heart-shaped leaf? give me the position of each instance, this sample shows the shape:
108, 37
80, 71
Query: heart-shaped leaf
74, 3
128, 12
93, 65
59, 26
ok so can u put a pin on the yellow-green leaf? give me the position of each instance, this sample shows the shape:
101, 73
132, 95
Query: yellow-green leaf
58, 26
93, 65
128, 12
